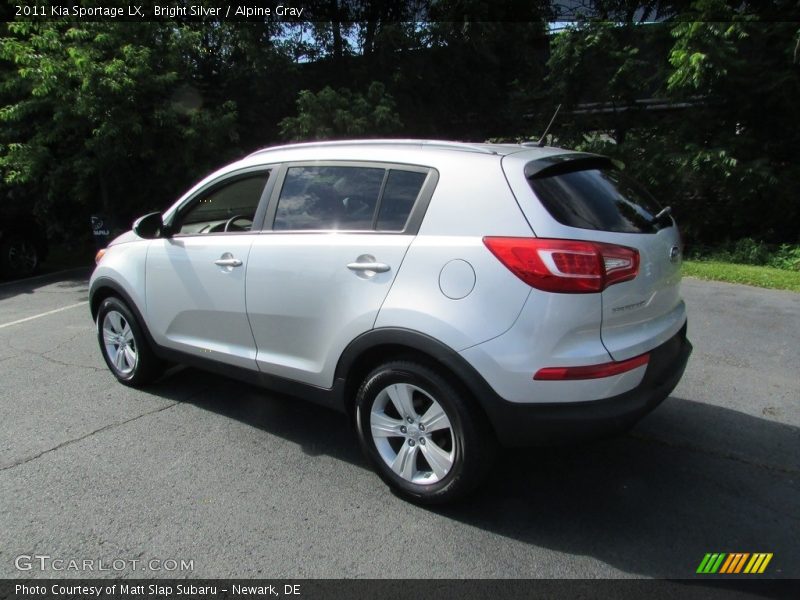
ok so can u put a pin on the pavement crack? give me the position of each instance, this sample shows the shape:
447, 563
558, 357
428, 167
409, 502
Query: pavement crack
44, 355
68, 364
717, 453
90, 434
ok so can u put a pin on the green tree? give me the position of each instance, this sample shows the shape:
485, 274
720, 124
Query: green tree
719, 149
103, 117
331, 114
739, 147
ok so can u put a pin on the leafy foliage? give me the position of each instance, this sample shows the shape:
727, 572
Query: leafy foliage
331, 114
719, 150
747, 251
96, 113
700, 105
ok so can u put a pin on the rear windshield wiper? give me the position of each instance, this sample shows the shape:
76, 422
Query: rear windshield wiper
661, 214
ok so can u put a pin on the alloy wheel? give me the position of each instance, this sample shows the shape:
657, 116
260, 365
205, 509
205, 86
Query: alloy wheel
119, 343
412, 433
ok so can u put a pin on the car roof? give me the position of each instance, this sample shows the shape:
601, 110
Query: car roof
421, 144
436, 153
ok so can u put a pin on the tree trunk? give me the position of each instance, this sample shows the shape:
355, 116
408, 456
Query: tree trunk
104, 196
338, 46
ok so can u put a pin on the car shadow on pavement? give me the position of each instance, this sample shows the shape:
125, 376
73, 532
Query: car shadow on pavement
77, 279
690, 479
316, 429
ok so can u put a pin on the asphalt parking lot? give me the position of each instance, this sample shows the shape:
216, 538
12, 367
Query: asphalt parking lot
247, 484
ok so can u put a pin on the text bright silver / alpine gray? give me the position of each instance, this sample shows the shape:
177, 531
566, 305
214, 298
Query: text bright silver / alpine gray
447, 296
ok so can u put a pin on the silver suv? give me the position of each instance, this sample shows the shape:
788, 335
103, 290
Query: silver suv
446, 296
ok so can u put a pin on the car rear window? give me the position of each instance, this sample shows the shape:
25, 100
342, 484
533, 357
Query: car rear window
600, 198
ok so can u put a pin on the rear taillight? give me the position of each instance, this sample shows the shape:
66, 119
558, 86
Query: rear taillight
591, 371
566, 266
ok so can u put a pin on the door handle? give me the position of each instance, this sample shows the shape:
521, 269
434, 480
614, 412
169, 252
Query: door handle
369, 266
228, 262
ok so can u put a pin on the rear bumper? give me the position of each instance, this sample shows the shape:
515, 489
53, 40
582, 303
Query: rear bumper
534, 424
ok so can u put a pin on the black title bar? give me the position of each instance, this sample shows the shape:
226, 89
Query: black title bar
711, 588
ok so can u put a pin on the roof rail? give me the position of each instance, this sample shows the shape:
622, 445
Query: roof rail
462, 146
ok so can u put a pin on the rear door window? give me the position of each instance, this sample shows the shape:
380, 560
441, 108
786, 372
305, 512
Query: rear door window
348, 198
602, 199
322, 198
399, 195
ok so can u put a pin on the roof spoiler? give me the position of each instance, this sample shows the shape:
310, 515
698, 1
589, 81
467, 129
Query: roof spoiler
565, 163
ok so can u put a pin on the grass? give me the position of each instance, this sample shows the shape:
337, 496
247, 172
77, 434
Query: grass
765, 277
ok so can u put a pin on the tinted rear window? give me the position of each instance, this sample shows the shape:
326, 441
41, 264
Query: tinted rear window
399, 196
599, 199
322, 198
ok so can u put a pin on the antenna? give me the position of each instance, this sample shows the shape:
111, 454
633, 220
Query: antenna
549, 125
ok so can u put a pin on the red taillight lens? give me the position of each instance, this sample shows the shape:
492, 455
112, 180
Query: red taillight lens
591, 371
565, 266
620, 263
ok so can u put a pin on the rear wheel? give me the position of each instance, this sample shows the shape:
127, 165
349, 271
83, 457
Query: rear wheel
424, 438
124, 346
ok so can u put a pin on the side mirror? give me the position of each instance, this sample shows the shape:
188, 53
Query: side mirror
149, 226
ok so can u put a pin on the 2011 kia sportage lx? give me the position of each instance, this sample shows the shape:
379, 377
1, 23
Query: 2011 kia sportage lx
445, 295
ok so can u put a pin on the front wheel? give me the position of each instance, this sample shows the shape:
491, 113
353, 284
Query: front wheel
123, 344
425, 439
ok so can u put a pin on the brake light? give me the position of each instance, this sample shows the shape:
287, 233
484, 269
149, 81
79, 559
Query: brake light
591, 371
565, 266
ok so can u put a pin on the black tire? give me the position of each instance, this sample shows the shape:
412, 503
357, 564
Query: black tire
147, 367
469, 440
19, 257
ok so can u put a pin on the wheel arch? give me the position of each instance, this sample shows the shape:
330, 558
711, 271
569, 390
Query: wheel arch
381, 345
105, 287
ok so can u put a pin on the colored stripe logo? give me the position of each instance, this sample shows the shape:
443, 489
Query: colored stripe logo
734, 563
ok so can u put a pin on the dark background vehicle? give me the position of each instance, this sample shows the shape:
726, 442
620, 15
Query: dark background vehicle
23, 243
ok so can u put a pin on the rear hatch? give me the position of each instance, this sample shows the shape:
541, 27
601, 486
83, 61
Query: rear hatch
583, 197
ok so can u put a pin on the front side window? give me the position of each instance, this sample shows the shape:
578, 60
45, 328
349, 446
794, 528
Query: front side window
228, 208
323, 198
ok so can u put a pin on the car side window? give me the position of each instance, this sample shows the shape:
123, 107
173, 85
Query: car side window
399, 195
228, 208
328, 197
